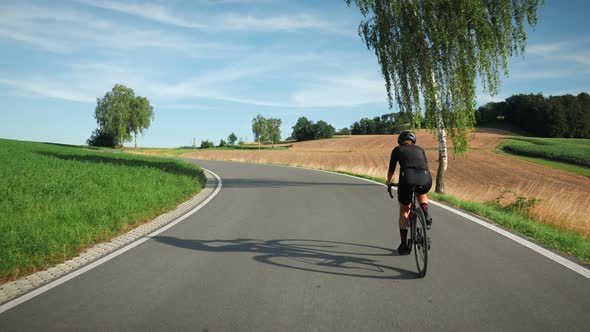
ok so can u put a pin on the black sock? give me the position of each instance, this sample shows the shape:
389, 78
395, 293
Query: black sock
424, 207
404, 235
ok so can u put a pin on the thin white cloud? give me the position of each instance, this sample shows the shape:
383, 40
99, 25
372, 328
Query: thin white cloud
280, 23
62, 30
223, 22
539, 73
573, 51
582, 58
145, 10
340, 91
47, 89
32, 39
547, 48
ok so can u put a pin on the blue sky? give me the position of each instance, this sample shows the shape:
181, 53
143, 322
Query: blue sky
208, 67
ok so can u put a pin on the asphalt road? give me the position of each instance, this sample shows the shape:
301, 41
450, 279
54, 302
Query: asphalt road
286, 249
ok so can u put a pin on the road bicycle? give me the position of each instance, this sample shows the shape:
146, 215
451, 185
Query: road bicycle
419, 238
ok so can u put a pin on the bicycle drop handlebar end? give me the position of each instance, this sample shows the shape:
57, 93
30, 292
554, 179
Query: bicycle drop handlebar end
389, 190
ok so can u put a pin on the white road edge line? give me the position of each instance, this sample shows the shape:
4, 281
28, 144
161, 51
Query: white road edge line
110, 256
533, 246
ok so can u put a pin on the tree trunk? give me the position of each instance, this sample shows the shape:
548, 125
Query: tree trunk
135, 141
442, 141
442, 152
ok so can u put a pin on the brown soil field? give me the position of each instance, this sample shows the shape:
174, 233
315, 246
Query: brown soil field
480, 176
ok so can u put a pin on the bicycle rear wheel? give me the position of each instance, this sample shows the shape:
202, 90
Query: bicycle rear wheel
420, 242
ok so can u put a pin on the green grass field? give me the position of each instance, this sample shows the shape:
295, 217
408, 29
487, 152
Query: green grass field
566, 150
56, 200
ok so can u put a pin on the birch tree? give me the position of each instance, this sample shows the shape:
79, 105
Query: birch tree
432, 51
273, 128
259, 129
140, 116
119, 114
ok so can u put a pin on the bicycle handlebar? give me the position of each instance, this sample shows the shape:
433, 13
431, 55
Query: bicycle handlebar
389, 189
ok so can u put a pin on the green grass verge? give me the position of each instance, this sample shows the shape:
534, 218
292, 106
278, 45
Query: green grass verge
56, 200
568, 242
571, 151
585, 171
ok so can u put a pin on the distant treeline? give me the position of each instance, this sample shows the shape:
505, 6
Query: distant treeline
556, 116
389, 123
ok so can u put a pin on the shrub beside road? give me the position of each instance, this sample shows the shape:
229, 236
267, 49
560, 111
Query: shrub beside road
56, 200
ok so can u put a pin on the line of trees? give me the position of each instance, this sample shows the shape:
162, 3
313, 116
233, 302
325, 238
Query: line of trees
555, 116
121, 116
266, 130
305, 130
389, 123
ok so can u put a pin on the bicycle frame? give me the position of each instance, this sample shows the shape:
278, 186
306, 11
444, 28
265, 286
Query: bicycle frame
417, 233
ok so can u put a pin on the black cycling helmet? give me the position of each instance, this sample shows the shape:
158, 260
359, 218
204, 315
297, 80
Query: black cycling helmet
406, 135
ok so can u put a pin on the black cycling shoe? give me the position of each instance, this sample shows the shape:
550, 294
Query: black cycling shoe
404, 249
428, 221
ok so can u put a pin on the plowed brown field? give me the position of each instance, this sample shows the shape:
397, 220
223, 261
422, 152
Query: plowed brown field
481, 176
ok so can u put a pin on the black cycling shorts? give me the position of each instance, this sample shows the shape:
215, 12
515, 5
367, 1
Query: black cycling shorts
420, 179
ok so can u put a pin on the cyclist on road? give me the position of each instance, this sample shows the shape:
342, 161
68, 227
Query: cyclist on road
413, 172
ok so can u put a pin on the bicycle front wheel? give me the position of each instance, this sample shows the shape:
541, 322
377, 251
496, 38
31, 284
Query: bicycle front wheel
420, 242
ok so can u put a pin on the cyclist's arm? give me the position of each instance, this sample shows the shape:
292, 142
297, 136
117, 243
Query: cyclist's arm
425, 159
392, 163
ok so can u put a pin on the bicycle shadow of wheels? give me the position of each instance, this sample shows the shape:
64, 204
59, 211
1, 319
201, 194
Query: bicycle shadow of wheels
322, 256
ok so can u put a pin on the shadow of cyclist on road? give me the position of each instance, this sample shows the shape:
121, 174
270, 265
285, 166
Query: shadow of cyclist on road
338, 258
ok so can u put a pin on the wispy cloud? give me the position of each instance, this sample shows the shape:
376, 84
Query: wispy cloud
223, 22
148, 11
63, 30
539, 73
573, 51
104, 48
339, 91
47, 89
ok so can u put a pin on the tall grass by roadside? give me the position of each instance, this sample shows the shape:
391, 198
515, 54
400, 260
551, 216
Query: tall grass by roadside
56, 200
566, 241
569, 150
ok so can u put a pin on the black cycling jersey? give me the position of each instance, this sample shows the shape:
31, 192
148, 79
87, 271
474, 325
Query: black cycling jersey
413, 171
408, 156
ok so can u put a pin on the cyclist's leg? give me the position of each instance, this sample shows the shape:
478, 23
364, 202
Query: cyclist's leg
404, 214
404, 197
423, 201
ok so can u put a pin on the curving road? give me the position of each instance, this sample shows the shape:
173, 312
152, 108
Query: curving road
287, 249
